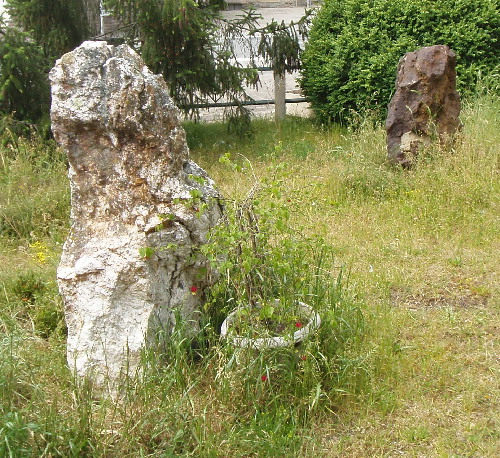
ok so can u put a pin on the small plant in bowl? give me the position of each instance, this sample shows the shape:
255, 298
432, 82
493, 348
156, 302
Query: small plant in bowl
271, 319
270, 326
264, 266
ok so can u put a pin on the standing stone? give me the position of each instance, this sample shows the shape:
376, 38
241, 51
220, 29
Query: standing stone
426, 102
139, 208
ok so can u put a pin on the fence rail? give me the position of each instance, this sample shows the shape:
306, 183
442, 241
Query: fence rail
243, 103
279, 100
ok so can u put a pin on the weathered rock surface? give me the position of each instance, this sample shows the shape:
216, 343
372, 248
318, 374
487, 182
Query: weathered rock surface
137, 208
426, 103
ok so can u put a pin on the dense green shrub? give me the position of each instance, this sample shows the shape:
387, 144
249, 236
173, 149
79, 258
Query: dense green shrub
350, 61
24, 86
57, 26
49, 29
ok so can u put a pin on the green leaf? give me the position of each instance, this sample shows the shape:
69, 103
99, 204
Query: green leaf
146, 252
266, 312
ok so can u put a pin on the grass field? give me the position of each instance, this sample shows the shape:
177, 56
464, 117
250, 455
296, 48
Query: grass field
419, 375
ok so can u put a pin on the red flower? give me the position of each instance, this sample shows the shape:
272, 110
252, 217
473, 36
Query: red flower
264, 378
303, 357
194, 290
298, 324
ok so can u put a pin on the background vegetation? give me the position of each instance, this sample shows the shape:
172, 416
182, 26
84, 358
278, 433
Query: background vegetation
24, 85
350, 60
411, 368
188, 42
197, 49
44, 30
57, 26
184, 41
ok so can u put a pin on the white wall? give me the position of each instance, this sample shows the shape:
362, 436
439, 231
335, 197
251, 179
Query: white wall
2, 8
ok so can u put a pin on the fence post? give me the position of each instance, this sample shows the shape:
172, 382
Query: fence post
279, 96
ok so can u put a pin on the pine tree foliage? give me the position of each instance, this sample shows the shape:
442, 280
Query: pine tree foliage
45, 30
194, 47
24, 87
57, 26
189, 42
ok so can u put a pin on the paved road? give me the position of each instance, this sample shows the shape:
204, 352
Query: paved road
266, 90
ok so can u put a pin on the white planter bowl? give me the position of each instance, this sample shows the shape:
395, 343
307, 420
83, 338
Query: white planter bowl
271, 342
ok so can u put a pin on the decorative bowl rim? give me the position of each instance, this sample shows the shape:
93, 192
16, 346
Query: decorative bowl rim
271, 342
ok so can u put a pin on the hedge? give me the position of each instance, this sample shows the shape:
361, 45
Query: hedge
350, 61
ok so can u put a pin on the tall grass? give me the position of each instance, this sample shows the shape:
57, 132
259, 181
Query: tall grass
35, 198
407, 286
